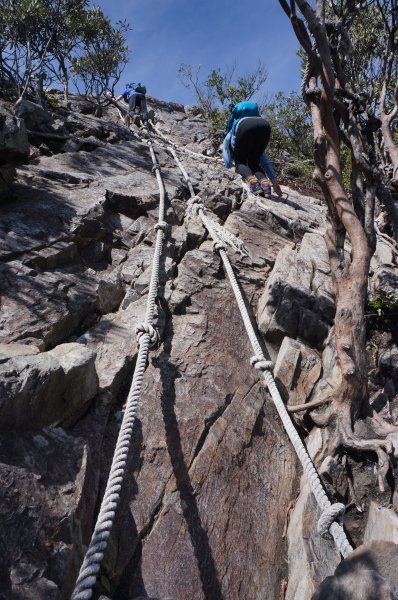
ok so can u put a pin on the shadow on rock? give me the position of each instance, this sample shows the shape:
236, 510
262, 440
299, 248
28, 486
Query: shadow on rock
207, 569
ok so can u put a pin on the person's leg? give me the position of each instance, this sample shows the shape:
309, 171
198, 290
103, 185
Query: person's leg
144, 110
260, 134
242, 148
251, 139
132, 104
264, 182
243, 170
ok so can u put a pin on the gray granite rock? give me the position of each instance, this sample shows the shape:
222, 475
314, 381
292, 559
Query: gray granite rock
297, 370
382, 524
35, 116
210, 472
289, 305
39, 389
311, 558
14, 144
369, 573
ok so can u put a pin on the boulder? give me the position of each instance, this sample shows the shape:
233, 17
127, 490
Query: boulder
115, 344
8, 351
289, 306
369, 573
388, 359
39, 389
297, 370
35, 116
58, 254
382, 524
110, 292
385, 280
14, 144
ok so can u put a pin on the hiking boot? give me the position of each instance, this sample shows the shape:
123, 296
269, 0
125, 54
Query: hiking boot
254, 185
266, 188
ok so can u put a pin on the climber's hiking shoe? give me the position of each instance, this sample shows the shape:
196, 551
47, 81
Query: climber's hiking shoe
266, 188
254, 185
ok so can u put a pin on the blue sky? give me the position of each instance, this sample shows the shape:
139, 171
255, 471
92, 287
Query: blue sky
210, 33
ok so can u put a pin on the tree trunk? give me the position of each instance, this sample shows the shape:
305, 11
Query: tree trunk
65, 80
389, 146
386, 121
349, 270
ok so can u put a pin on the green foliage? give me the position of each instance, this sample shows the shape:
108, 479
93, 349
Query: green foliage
57, 36
299, 170
104, 53
52, 101
384, 303
228, 90
215, 93
291, 126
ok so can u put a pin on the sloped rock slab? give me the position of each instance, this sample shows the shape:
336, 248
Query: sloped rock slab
204, 423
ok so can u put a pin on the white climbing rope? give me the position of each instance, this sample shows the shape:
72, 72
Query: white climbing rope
146, 337
331, 517
223, 234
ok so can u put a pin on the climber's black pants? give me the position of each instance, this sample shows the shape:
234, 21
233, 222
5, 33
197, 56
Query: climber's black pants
252, 137
138, 101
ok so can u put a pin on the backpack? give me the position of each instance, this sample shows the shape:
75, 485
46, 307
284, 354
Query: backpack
136, 87
140, 89
240, 111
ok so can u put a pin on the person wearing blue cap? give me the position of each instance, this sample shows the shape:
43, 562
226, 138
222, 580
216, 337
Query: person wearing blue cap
134, 95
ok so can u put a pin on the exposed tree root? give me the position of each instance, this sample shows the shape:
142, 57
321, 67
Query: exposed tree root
308, 405
382, 447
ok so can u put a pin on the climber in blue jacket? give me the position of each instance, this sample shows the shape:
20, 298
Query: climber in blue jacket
247, 137
134, 95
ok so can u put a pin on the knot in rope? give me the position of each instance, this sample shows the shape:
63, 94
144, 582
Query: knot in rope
161, 225
146, 328
333, 513
217, 246
258, 362
194, 206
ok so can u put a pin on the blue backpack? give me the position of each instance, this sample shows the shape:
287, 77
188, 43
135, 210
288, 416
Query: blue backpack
240, 111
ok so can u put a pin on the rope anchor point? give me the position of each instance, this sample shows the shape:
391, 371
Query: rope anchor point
331, 514
259, 362
146, 329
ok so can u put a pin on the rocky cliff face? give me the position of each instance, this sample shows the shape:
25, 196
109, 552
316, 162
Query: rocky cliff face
211, 474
